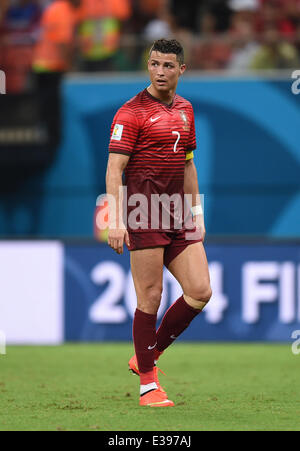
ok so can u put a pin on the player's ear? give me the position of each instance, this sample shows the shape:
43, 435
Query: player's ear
182, 68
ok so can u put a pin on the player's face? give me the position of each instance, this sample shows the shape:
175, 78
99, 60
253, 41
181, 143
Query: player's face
164, 71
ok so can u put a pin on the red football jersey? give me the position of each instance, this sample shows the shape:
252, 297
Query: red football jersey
156, 136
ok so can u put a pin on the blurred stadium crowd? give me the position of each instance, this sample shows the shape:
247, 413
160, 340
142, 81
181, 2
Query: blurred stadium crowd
58, 36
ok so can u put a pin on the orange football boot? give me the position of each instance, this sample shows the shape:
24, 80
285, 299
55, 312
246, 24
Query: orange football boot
155, 398
133, 366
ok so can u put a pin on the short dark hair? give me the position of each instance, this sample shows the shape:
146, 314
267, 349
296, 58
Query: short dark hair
169, 46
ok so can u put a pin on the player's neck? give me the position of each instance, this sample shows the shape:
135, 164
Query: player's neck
165, 97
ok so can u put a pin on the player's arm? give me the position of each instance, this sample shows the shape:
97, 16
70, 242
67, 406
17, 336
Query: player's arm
117, 231
124, 134
191, 187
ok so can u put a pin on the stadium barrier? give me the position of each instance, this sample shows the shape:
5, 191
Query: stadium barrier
53, 292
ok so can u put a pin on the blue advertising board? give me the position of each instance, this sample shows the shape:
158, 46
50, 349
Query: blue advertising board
256, 294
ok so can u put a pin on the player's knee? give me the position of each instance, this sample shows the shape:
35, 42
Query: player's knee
201, 293
154, 295
149, 300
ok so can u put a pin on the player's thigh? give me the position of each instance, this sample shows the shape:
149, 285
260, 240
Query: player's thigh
147, 274
190, 268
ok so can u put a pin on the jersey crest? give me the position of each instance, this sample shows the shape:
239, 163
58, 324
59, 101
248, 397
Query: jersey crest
185, 126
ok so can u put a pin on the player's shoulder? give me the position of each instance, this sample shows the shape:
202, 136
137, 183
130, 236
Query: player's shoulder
138, 102
182, 102
134, 107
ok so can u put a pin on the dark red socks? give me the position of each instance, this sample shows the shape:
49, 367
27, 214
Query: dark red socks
176, 319
149, 344
144, 337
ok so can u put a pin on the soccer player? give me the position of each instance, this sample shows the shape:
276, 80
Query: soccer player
152, 140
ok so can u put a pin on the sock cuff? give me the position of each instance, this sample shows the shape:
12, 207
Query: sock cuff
188, 306
149, 317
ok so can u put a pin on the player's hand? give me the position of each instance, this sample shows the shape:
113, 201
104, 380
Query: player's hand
116, 239
199, 223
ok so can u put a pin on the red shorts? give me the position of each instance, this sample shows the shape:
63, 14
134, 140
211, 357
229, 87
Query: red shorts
173, 242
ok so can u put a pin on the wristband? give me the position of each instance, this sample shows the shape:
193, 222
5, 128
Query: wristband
197, 210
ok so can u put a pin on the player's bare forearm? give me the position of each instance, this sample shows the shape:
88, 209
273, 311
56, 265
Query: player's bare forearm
191, 181
113, 184
191, 187
117, 231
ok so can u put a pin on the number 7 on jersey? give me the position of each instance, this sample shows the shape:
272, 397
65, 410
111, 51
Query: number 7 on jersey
176, 142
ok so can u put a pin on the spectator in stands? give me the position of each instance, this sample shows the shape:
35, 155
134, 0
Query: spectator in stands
160, 23
19, 25
20, 20
148, 19
274, 53
100, 31
244, 46
53, 58
149, 9
244, 11
291, 11
280, 14
242, 34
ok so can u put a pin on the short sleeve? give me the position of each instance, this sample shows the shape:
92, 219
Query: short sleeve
124, 132
191, 142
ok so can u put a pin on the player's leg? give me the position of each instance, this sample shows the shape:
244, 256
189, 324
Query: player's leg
190, 268
147, 273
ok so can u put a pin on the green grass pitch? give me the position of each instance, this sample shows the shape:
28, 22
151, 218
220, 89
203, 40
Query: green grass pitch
88, 387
